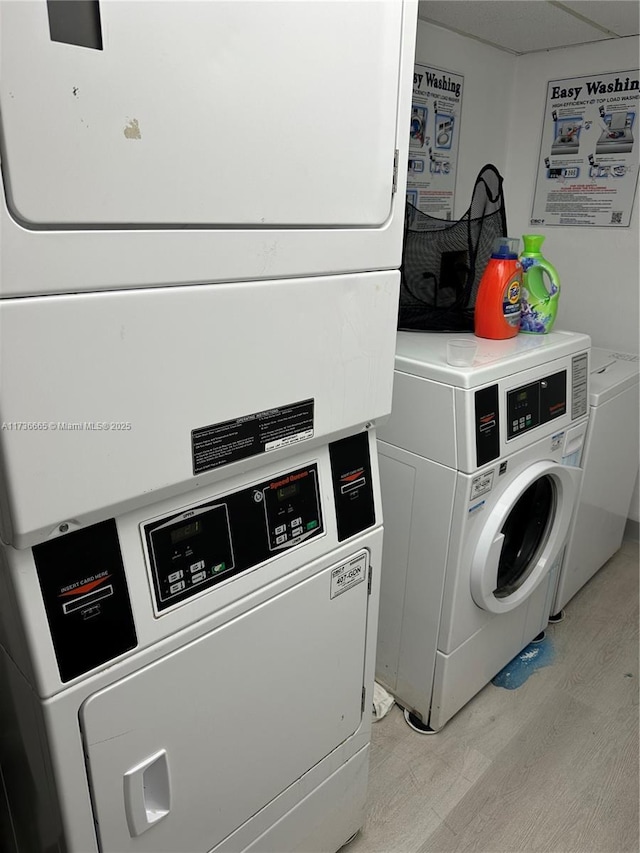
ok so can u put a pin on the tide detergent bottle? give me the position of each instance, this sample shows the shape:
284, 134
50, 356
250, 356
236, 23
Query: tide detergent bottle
497, 311
539, 303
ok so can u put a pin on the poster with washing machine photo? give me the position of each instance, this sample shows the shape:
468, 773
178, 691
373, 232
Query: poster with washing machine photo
588, 166
433, 140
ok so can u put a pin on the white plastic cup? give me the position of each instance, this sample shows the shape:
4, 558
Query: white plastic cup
461, 352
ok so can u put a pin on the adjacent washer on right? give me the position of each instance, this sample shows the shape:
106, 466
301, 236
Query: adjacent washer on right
610, 464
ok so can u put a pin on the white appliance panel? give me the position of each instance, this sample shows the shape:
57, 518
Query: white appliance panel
612, 453
574, 407
27, 790
414, 557
312, 208
443, 400
305, 828
239, 119
430, 431
241, 714
610, 470
83, 357
399, 484
425, 354
612, 372
463, 673
24, 616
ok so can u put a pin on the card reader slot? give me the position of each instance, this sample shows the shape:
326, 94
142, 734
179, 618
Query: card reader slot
90, 598
356, 484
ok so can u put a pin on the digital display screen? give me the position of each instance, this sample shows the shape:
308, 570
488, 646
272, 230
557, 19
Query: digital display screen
522, 396
288, 491
185, 532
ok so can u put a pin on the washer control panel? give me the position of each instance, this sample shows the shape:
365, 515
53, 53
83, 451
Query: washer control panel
196, 548
536, 403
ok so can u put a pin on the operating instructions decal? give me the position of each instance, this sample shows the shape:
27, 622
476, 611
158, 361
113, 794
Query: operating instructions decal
588, 164
230, 441
433, 140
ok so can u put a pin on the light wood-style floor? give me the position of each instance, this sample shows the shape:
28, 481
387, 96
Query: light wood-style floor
551, 766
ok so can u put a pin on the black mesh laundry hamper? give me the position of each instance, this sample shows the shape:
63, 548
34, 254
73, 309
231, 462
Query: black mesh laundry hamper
443, 261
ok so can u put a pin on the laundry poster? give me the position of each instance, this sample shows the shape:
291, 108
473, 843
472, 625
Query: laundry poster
434, 140
588, 165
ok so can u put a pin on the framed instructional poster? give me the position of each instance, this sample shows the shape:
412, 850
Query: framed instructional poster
587, 170
433, 140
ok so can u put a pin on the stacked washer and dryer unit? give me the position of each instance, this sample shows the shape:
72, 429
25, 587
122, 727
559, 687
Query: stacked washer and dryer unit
480, 472
199, 296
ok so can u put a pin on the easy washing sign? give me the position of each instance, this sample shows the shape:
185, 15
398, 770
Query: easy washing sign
588, 163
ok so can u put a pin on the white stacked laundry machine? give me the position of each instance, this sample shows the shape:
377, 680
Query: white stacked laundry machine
199, 285
481, 477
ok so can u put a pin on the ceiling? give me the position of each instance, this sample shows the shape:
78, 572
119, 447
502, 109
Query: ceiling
527, 26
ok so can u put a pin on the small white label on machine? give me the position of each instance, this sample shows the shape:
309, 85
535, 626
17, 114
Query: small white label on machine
348, 575
481, 484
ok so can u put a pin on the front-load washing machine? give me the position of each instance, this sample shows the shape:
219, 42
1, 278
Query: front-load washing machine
480, 480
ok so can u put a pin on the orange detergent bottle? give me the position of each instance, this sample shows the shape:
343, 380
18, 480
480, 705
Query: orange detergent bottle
497, 311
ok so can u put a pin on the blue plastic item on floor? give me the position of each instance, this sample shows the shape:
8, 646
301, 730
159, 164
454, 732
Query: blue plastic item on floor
530, 659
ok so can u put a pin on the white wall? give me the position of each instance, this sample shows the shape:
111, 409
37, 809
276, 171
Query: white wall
488, 77
502, 113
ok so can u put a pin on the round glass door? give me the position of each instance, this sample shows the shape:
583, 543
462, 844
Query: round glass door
525, 532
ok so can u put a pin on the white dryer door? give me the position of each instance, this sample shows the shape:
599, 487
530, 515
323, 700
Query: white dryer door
523, 535
206, 114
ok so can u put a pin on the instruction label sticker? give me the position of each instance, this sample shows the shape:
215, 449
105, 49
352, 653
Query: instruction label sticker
481, 484
556, 440
231, 441
579, 377
348, 575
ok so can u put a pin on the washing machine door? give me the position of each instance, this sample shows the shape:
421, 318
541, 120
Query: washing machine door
524, 534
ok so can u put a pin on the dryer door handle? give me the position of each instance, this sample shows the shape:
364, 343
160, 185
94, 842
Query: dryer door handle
147, 793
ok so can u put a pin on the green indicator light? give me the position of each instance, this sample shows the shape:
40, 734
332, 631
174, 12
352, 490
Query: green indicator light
220, 567
311, 525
